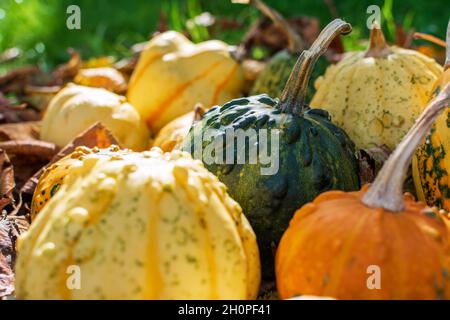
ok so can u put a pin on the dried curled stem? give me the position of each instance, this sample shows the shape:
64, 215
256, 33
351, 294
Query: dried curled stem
294, 93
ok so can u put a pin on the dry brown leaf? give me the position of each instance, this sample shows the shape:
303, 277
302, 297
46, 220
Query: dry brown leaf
41, 149
20, 131
6, 252
16, 79
10, 229
39, 96
66, 72
96, 136
7, 182
370, 162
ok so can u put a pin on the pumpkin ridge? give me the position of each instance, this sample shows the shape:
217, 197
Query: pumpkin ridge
164, 105
207, 233
298, 236
401, 272
153, 282
64, 291
342, 258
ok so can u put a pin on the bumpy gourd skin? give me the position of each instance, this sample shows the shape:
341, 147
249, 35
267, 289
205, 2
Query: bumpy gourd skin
431, 162
75, 108
53, 177
376, 100
332, 243
315, 156
173, 75
140, 226
277, 71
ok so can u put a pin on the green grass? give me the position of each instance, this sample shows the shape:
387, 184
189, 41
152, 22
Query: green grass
38, 27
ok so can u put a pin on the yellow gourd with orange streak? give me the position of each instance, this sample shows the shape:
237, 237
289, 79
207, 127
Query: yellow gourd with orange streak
139, 226
173, 74
376, 95
431, 163
372, 244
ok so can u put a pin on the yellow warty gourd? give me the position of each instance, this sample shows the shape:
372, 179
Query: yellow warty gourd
54, 175
76, 108
376, 96
173, 75
139, 226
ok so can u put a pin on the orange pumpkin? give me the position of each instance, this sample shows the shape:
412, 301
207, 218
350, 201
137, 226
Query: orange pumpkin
372, 244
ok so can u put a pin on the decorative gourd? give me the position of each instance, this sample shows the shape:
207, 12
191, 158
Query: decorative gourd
430, 164
370, 244
376, 96
173, 74
172, 135
272, 80
75, 108
313, 154
53, 177
140, 226
106, 78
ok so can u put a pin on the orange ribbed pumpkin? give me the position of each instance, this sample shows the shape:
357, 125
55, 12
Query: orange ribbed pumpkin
372, 244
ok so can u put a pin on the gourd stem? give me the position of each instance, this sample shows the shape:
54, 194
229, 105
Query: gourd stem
378, 47
199, 112
295, 42
387, 189
447, 56
293, 97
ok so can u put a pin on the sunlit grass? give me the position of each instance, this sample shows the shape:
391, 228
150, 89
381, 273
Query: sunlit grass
38, 27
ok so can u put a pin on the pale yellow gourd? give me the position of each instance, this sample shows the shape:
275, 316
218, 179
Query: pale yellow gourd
139, 226
75, 108
173, 74
376, 96
106, 77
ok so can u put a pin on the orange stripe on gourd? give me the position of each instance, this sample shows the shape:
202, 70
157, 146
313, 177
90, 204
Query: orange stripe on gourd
177, 92
136, 78
222, 85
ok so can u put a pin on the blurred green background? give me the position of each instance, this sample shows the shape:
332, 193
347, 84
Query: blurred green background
38, 27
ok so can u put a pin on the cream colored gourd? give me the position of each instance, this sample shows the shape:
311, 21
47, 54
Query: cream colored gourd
173, 74
376, 96
75, 108
140, 226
